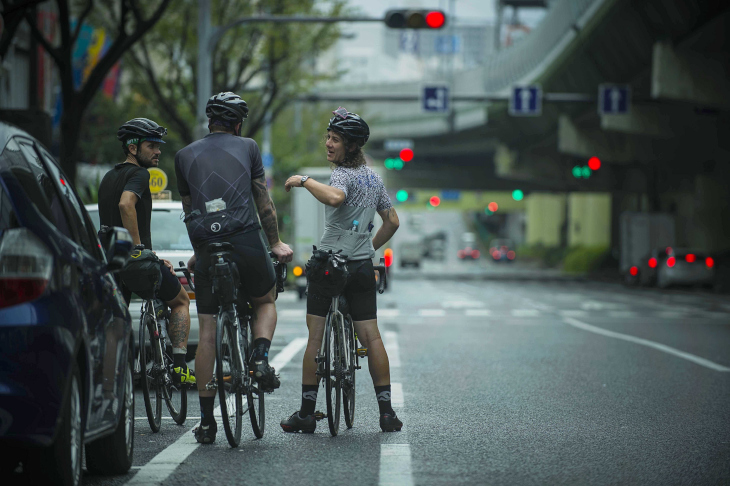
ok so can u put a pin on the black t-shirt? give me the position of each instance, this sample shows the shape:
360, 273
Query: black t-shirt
126, 177
219, 166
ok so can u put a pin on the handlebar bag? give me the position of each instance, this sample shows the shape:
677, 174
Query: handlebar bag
141, 274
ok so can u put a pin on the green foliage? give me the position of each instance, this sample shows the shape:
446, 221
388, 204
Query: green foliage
585, 259
547, 256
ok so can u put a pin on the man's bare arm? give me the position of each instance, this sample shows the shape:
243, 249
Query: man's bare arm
128, 211
266, 210
390, 226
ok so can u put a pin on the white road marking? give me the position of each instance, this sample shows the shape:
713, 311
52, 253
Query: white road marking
382, 313
670, 315
478, 312
596, 305
163, 464
622, 314
396, 395
431, 312
292, 314
525, 313
573, 313
391, 346
395, 465
462, 304
645, 342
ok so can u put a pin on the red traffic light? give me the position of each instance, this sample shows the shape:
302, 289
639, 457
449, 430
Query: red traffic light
435, 19
388, 256
594, 163
406, 155
434, 201
493, 206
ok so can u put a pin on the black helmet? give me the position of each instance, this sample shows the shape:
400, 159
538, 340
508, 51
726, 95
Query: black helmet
141, 128
350, 125
227, 107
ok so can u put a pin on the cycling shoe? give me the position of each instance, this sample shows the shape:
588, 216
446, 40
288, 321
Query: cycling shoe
390, 423
265, 376
183, 376
205, 434
295, 423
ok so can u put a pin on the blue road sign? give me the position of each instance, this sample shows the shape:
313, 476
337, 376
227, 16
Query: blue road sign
436, 99
525, 101
268, 160
614, 99
450, 195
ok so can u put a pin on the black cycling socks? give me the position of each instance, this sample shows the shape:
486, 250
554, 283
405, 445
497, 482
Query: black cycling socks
261, 349
178, 360
206, 410
309, 400
382, 393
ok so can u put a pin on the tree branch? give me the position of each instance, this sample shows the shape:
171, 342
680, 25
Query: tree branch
80, 21
52, 51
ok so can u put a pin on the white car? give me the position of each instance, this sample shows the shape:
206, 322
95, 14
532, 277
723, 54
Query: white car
170, 241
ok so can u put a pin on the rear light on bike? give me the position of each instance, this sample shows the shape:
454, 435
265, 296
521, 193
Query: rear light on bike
709, 262
297, 271
25, 267
671, 261
388, 256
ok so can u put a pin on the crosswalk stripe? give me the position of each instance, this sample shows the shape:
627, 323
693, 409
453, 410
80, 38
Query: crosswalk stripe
478, 312
391, 346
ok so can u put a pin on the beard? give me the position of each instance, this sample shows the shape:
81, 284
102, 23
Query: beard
147, 162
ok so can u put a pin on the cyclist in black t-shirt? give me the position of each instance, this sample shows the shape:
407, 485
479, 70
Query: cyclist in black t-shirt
125, 200
220, 177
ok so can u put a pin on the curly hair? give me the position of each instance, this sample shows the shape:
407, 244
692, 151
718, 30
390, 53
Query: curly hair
353, 153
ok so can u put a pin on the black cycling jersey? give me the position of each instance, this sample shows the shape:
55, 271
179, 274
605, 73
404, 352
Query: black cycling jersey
126, 177
219, 166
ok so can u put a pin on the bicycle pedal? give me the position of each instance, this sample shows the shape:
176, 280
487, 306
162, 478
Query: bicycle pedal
211, 385
319, 415
362, 352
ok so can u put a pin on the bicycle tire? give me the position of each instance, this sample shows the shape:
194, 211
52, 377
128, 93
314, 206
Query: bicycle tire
176, 397
149, 382
348, 380
229, 374
332, 374
254, 396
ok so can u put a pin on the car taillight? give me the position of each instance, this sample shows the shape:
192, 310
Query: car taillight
510, 255
671, 261
496, 254
475, 254
690, 258
669, 250
460, 253
634, 271
709, 262
25, 267
298, 271
652, 262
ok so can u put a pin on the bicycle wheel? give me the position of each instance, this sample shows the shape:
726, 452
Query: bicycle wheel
176, 397
333, 373
229, 374
150, 365
348, 378
254, 395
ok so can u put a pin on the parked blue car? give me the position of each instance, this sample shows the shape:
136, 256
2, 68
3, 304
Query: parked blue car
66, 349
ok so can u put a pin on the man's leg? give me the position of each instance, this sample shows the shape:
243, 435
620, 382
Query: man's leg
204, 363
178, 329
264, 325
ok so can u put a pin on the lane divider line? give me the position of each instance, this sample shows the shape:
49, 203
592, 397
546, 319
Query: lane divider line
163, 464
395, 465
396, 395
651, 344
391, 347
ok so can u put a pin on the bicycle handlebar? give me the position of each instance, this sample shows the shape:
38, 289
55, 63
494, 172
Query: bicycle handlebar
383, 280
280, 271
185, 272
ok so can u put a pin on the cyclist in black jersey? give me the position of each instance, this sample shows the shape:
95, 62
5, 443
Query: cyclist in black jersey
223, 188
352, 198
125, 200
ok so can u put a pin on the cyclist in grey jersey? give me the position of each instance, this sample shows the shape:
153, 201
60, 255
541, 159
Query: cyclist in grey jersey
352, 198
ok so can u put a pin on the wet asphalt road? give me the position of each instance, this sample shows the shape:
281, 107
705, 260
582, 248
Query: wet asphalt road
503, 382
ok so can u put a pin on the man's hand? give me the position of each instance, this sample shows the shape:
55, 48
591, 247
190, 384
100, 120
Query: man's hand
293, 181
168, 264
282, 251
191, 264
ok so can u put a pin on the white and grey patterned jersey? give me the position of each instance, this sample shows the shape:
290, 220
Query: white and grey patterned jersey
365, 195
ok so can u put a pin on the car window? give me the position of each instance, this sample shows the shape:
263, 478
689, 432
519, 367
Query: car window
168, 230
22, 161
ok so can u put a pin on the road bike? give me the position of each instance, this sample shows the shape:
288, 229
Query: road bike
154, 363
338, 358
234, 345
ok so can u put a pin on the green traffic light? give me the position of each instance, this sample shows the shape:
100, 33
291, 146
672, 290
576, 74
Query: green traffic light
389, 163
586, 172
518, 195
577, 172
402, 195
398, 164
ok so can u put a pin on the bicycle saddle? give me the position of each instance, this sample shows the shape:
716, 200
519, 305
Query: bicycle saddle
218, 247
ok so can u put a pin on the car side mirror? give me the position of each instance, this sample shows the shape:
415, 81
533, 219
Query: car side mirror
119, 246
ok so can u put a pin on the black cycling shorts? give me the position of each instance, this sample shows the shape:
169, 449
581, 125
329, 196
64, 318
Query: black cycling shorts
254, 268
359, 292
169, 287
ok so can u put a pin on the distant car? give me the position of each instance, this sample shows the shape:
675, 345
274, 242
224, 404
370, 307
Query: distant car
502, 250
685, 267
468, 249
645, 273
410, 254
66, 346
171, 242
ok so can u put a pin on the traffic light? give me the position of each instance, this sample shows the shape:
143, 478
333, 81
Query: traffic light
393, 164
402, 195
406, 155
518, 195
415, 19
582, 171
434, 201
594, 163
388, 256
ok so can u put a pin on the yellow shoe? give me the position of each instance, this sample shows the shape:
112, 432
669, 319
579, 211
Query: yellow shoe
184, 376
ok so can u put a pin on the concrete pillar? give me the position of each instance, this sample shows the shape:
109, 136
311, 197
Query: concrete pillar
589, 216
684, 75
651, 121
545, 215
614, 147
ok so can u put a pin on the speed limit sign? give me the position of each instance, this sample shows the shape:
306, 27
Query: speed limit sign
158, 180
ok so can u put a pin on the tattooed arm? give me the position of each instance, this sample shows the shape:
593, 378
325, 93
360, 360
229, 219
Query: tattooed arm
267, 215
390, 226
